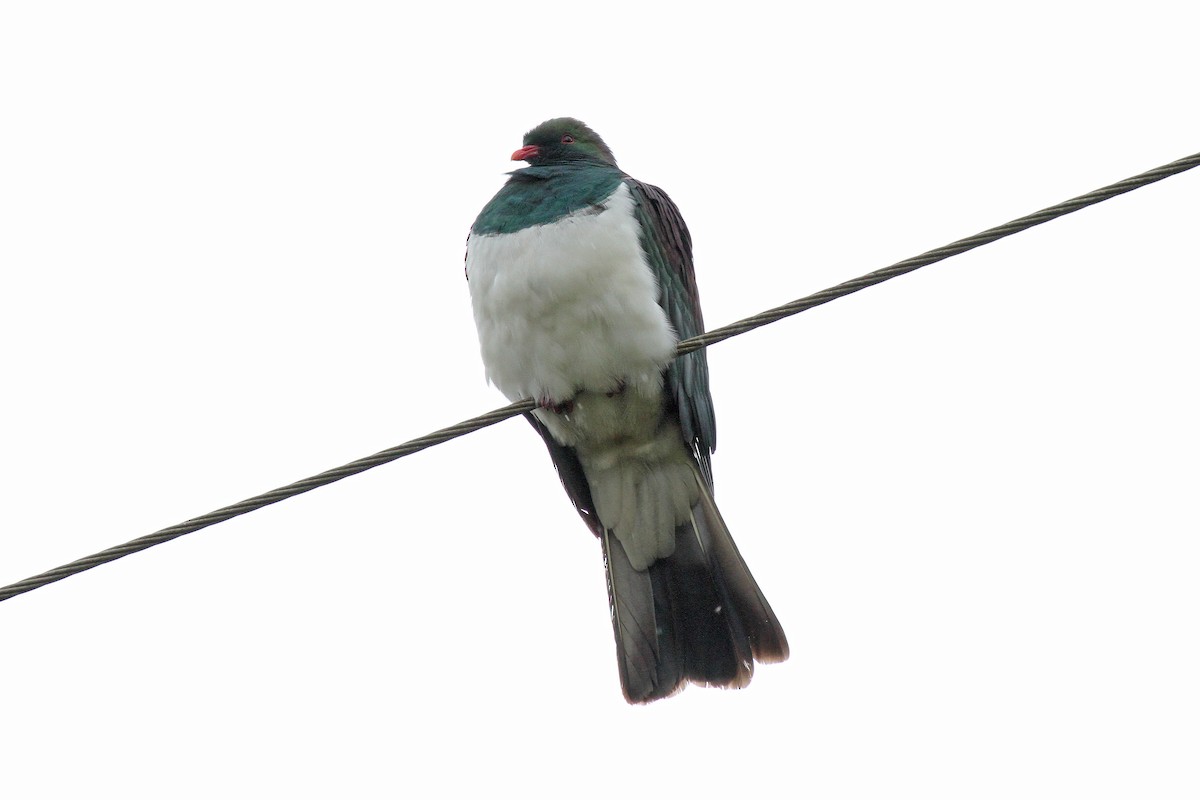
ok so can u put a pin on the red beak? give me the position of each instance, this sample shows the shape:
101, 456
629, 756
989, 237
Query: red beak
525, 153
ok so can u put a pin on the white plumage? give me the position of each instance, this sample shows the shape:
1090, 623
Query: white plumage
568, 305
568, 311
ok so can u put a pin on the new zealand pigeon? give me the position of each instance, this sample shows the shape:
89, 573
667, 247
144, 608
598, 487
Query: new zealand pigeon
581, 282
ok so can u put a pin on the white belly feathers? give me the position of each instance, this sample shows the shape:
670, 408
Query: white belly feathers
569, 306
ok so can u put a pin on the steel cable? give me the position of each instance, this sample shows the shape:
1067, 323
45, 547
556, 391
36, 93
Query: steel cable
686, 346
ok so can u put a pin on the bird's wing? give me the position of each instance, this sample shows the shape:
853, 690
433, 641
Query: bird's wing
570, 472
668, 248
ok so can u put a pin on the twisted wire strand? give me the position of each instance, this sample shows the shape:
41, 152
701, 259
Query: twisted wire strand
523, 406
938, 254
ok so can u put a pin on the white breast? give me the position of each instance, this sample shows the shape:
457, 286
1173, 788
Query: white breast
569, 306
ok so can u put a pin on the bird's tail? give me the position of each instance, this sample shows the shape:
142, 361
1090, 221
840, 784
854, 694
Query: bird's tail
695, 616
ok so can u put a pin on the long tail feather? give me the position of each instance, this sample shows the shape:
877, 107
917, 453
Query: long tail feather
767, 640
697, 616
646, 654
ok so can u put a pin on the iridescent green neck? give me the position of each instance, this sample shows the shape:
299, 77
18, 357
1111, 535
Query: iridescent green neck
540, 195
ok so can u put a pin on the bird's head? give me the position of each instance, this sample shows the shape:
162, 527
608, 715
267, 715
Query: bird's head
564, 141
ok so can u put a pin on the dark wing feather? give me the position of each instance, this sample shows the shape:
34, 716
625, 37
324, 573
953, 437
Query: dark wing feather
570, 472
668, 248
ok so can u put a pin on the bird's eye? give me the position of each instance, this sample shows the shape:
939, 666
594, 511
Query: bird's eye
568, 139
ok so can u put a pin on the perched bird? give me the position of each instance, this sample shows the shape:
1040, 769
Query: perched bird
581, 282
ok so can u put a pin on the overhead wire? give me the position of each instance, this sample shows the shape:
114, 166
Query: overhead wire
524, 406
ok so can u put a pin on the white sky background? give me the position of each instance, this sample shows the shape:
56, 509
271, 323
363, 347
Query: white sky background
232, 257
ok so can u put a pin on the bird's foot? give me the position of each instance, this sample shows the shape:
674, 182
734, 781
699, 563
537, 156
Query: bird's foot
561, 407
